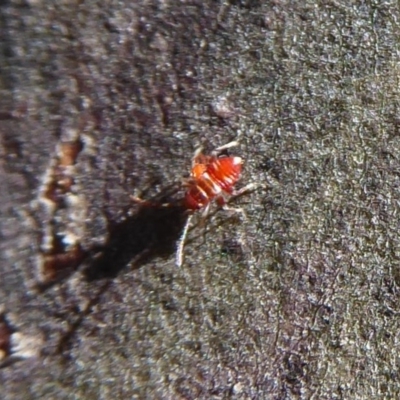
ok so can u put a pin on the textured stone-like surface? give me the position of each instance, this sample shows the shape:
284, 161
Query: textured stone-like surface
102, 100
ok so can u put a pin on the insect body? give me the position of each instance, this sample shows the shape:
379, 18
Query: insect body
211, 178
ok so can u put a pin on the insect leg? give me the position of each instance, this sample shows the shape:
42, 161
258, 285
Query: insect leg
147, 203
237, 193
243, 190
224, 147
197, 152
238, 210
181, 243
206, 211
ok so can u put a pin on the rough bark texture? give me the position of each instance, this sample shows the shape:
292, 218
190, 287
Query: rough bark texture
100, 100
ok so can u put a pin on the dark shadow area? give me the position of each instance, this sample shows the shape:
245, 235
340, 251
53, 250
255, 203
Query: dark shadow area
152, 232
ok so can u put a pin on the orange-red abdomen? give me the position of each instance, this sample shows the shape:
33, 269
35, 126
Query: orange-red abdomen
226, 172
211, 178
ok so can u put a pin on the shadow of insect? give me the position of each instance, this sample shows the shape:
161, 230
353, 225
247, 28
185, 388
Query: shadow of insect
151, 232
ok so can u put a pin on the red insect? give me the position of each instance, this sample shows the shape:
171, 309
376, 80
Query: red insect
212, 177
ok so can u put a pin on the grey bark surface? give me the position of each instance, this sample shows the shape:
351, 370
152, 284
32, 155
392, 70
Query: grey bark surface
103, 100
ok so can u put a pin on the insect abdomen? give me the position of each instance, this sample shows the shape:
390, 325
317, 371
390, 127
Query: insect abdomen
195, 198
203, 190
219, 176
225, 172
